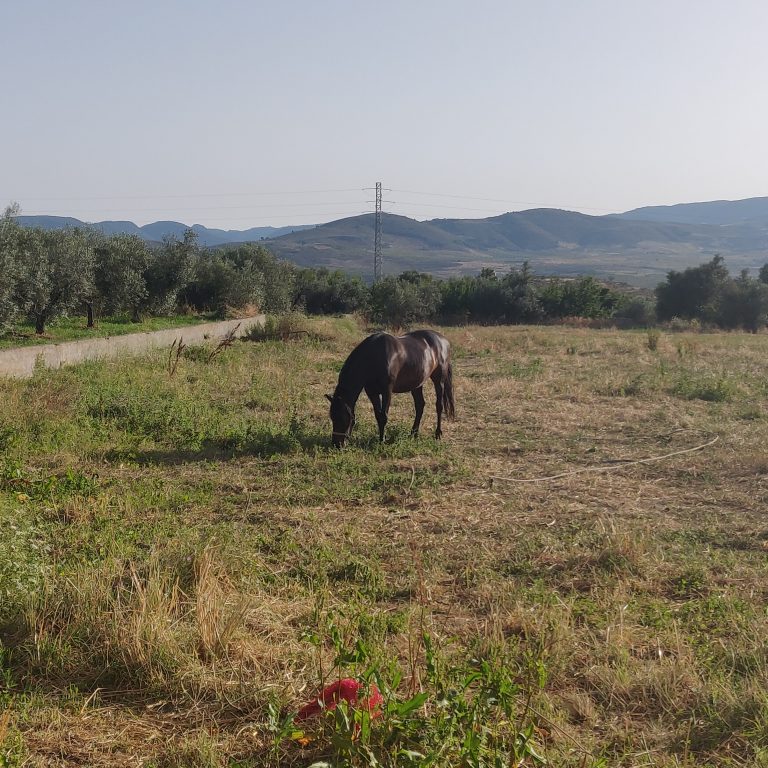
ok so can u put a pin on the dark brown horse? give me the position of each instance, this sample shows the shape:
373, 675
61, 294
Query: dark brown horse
383, 364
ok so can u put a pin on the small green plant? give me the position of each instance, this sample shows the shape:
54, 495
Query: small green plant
7, 682
9, 435
652, 339
635, 387
526, 370
30, 485
12, 753
199, 751
710, 388
24, 552
469, 712
358, 572
198, 353
690, 583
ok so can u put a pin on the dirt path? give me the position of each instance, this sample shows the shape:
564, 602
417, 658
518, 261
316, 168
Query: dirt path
20, 362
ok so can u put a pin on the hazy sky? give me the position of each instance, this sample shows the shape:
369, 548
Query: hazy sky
238, 114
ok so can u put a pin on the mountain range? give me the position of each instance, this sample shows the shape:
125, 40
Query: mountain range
157, 230
637, 247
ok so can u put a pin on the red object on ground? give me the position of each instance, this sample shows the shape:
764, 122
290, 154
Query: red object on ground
343, 690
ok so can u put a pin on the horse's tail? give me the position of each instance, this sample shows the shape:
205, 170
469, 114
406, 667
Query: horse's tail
449, 407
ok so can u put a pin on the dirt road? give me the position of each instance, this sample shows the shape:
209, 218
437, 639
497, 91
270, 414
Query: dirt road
20, 362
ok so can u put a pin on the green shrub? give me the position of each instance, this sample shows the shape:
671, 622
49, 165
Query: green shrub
711, 388
292, 325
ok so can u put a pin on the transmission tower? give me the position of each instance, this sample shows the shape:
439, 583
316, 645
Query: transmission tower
377, 237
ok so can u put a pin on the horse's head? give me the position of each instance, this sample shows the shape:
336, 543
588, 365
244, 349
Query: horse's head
343, 419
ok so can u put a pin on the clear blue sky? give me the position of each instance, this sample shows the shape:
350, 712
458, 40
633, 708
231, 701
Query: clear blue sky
249, 113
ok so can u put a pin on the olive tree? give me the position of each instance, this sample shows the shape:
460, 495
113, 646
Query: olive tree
694, 293
401, 301
169, 271
277, 277
121, 261
55, 275
9, 267
323, 292
220, 284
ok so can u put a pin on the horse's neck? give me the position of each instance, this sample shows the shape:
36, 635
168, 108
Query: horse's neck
351, 382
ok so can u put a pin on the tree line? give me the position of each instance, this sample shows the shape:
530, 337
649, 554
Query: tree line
709, 295
47, 274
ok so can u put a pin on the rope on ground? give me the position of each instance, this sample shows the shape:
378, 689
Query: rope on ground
611, 468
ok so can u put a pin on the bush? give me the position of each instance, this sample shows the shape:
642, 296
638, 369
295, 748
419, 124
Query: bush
582, 297
220, 284
401, 301
321, 292
636, 313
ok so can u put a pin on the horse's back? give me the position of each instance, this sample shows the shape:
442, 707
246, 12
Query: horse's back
435, 340
384, 348
392, 347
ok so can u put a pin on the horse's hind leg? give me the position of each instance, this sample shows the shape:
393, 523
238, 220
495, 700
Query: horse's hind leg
386, 399
418, 403
437, 381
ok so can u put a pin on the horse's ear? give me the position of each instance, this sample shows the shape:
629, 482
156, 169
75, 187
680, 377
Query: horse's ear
329, 398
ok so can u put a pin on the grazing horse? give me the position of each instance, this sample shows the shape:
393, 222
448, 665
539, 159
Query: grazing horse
383, 364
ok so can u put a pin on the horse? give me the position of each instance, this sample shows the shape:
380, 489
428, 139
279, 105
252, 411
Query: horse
383, 364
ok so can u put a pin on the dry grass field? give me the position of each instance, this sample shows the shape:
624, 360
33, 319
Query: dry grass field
184, 560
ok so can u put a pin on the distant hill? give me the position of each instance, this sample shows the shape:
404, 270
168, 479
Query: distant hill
718, 212
160, 229
636, 247
553, 241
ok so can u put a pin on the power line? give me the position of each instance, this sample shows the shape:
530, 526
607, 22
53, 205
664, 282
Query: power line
200, 194
357, 212
212, 207
498, 200
279, 193
293, 209
441, 205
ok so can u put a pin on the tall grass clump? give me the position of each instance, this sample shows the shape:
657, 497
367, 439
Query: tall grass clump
172, 628
162, 413
285, 327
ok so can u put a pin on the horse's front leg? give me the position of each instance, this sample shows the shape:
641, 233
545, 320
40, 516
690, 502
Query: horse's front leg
418, 403
381, 418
